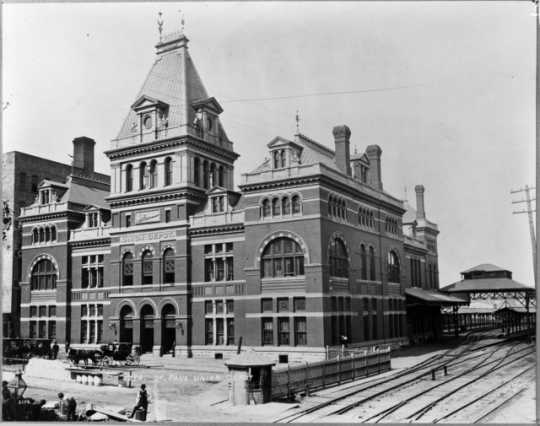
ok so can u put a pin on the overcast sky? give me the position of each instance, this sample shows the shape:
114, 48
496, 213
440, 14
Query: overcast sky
453, 109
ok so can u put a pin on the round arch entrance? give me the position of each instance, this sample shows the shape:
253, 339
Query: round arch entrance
147, 328
168, 329
126, 325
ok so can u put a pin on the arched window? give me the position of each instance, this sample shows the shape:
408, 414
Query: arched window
43, 276
339, 263
393, 267
276, 159
197, 171
296, 204
285, 205
41, 235
153, 174
282, 257
35, 236
168, 266
142, 175
147, 268
372, 264
129, 178
205, 174
127, 269
283, 158
220, 176
266, 207
275, 207
168, 171
363, 262
47, 234
213, 175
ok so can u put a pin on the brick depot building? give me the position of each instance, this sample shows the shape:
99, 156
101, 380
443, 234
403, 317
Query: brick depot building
169, 256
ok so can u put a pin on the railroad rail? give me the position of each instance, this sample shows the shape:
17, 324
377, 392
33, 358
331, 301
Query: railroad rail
406, 377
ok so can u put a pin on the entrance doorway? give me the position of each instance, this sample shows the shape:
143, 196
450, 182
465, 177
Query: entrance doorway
147, 328
168, 329
126, 325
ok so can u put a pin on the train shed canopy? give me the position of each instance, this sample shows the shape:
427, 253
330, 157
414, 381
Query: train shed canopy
487, 278
417, 295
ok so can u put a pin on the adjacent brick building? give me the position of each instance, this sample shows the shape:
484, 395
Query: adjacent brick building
309, 253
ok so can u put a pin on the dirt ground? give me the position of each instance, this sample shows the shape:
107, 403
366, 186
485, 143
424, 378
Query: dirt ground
197, 390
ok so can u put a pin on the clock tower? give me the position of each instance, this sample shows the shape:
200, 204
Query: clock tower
170, 152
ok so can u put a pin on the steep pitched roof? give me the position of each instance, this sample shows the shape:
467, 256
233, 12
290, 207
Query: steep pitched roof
85, 195
172, 80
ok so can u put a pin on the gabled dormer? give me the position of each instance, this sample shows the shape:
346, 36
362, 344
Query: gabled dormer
220, 200
152, 116
284, 153
95, 217
206, 122
50, 192
360, 167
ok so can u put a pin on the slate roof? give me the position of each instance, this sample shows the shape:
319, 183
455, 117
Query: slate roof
486, 285
173, 80
85, 195
250, 358
433, 296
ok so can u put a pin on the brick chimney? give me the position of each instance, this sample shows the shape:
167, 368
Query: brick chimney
342, 135
83, 153
420, 210
373, 153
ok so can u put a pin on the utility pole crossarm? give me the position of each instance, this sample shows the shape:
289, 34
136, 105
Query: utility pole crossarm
530, 211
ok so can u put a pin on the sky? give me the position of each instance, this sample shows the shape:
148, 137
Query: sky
447, 90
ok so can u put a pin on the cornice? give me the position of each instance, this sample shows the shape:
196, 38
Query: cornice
49, 216
91, 243
156, 197
160, 145
220, 229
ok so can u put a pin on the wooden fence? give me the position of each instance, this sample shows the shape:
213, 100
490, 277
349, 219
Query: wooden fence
289, 381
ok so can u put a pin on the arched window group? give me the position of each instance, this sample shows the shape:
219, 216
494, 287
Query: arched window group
367, 258
337, 207
44, 234
282, 257
339, 262
147, 268
393, 267
43, 276
391, 225
148, 175
366, 217
281, 206
208, 174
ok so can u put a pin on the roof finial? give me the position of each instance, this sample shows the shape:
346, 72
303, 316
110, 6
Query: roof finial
182, 21
160, 25
405, 189
297, 121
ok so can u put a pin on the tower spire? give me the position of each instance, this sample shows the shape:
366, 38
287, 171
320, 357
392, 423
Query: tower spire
297, 118
182, 21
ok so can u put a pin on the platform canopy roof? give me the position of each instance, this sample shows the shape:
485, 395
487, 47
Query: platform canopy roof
433, 297
489, 285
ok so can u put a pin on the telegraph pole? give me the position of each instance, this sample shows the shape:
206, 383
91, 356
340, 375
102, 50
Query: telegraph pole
529, 210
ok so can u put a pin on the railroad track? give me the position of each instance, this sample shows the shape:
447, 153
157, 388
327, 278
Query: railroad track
424, 368
400, 386
480, 369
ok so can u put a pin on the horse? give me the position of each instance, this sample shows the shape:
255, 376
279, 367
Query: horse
76, 355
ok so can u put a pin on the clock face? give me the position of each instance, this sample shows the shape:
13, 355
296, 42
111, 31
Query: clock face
147, 122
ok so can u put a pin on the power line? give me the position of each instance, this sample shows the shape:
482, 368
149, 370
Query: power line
529, 211
307, 95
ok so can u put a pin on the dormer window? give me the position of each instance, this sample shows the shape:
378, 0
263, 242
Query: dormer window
45, 196
152, 117
280, 158
147, 121
218, 204
93, 219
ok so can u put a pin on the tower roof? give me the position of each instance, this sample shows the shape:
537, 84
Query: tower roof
172, 83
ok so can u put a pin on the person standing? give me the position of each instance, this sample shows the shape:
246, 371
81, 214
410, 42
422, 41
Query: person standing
55, 349
141, 402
